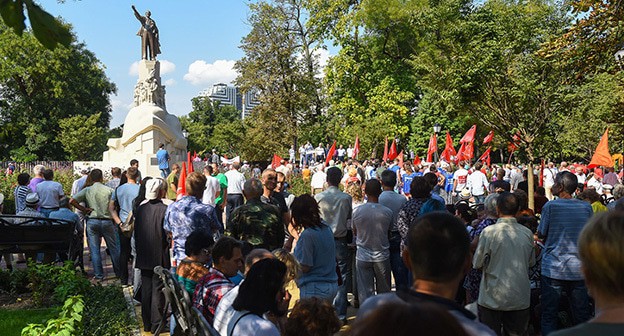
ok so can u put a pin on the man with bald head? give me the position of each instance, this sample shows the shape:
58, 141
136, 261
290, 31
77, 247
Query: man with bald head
256, 223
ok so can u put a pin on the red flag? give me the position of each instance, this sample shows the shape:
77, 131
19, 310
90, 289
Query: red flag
485, 157
330, 153
489, 137
189, 162
401, 159
181, 182
392, 154
601, 155
460, 154
276, 161
541, 175
469, 151
449, 149
385, 156
194, 155
470, 135
356, 147
416, 160
433, 147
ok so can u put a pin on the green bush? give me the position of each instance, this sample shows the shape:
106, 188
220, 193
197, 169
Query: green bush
14, 282
69, 322
299, 187
107, 312
48, 281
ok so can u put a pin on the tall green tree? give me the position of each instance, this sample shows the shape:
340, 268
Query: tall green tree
201, 123
281, 64
82, 138
39, 87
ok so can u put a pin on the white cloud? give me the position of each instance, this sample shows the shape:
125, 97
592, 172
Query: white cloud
200, 72
170, 82
117, 104
322, 56
165, 68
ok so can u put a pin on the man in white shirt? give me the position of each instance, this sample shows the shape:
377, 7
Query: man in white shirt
213, 188
478, 184
349, 152
460, 177
50, 193
341, 154
549, 179
236, 181
318, 180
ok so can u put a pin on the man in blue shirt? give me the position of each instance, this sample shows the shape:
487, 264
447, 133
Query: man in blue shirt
163, 161
560, 226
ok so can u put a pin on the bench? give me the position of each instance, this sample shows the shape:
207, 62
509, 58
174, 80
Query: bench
22, 234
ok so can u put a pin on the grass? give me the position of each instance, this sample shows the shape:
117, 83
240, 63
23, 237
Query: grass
13, 321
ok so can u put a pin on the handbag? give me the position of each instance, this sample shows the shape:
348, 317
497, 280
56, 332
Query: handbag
127, 227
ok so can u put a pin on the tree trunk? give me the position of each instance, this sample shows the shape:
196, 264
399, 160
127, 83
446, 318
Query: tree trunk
531, 179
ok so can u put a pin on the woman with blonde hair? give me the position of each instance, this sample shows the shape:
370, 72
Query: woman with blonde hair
293, 269
602, 258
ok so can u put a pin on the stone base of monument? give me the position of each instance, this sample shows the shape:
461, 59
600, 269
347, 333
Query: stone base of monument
147, 125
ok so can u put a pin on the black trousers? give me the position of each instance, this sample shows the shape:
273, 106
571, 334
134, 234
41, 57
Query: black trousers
125, 250
152, 300
233, 202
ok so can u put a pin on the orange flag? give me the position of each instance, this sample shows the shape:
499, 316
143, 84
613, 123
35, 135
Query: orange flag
356, 148
470, 135
489, 137
401, 159
433, 147
276, 161
181, 182
485, 158
449, 150
601, 155
385, 156
416, 160
189, 162
330, 153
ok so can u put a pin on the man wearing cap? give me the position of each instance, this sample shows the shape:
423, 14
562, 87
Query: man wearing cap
50, 193
152, 249
99, 222
124, 196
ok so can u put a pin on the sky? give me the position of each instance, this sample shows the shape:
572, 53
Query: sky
199, 43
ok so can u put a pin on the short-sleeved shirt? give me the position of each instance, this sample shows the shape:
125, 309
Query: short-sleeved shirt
185, 216
461, 176
125, 195
188, 273
235, 181
163, 159
212, 187
33, 183
20, 194
172, 192
410, 212
223, 183
393, 201
257, 223
316, 248
505, 253
561, 223
49, 192
372, 222
97, 197
407, 181
335, 207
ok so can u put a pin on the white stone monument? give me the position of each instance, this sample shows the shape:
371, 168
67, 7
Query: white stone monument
147, 125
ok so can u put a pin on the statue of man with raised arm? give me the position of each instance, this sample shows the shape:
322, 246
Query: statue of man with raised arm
150, 46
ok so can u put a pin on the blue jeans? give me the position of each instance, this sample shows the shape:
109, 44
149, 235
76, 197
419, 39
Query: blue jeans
322, 290
372, 278
344, 257
399, 270
480, 199
552, 290
96, 230
164, 172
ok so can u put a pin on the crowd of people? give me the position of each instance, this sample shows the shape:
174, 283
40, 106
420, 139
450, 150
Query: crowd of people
465, 253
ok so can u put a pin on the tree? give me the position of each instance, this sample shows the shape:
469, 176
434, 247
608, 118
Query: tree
82, 138
201, 123
49, 31
281, 65
39, 87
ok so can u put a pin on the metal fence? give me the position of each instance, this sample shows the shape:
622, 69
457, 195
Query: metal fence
28, 166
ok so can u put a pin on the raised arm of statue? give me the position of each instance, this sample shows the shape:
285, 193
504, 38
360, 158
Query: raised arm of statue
137, 15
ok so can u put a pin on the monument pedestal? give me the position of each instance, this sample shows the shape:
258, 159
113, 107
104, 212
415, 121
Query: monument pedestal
147, 125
